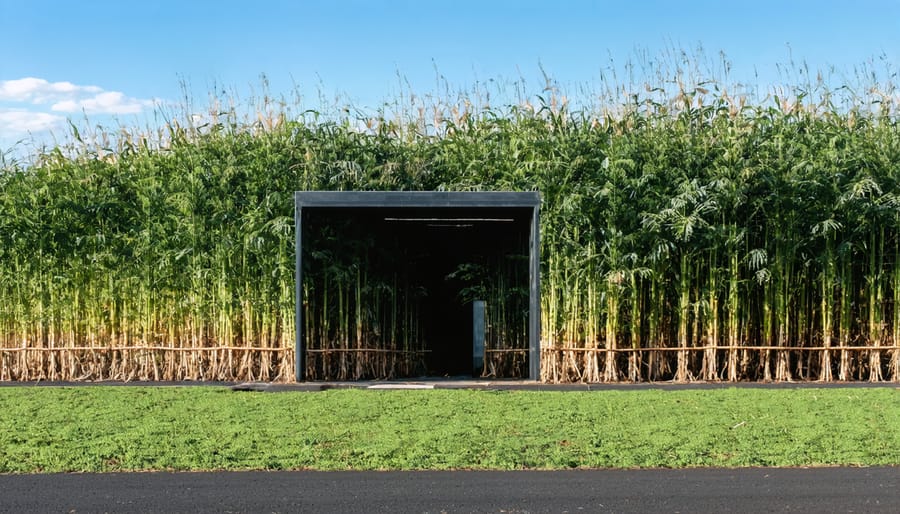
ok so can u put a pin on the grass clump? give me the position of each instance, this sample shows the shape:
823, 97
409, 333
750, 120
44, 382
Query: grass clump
138, 428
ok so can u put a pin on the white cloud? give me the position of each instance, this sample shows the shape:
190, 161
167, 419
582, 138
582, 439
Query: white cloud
70, 98
40, 91
33, 105
21, 122
109, 102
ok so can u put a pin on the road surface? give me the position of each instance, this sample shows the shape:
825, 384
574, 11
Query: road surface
815, 490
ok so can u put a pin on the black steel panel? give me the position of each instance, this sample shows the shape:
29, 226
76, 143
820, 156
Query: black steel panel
417, 199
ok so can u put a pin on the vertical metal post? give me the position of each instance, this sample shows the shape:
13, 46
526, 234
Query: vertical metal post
478, 333
299, 345
534, 301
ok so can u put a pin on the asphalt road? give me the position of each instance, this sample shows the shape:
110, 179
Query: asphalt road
815, 490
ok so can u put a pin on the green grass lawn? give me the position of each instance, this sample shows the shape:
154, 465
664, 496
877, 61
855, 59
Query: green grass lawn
44, 429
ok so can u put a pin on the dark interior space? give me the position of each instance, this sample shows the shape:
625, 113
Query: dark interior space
446, 253
447, 327
450, 254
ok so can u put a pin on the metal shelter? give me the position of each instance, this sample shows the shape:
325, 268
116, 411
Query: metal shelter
432, 207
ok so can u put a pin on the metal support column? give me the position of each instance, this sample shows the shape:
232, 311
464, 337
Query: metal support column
534, 302
299, 345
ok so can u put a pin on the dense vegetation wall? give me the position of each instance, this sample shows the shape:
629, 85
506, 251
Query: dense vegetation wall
698, 238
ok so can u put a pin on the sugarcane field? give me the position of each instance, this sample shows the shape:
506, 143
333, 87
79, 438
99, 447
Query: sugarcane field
688, 231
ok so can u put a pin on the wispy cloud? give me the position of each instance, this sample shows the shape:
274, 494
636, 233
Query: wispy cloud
109, 102
19, 122
40, 91
30, 105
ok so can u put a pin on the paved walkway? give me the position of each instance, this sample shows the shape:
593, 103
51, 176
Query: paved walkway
527, 385
459, 383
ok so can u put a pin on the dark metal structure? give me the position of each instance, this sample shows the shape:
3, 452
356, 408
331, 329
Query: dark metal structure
432, 206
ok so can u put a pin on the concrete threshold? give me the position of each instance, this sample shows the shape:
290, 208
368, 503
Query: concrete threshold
400, 385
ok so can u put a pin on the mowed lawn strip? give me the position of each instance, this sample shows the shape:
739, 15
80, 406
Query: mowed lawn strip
50, 429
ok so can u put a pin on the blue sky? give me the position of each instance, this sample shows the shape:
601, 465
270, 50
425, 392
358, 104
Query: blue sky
114, 61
